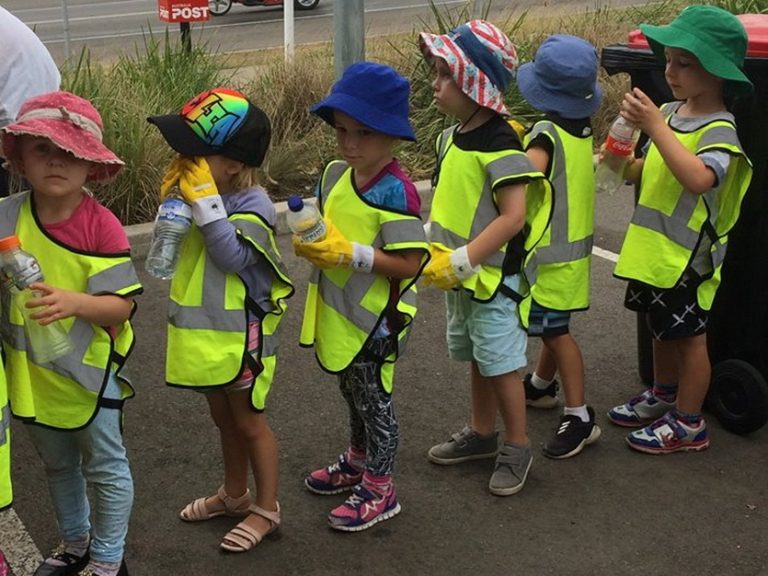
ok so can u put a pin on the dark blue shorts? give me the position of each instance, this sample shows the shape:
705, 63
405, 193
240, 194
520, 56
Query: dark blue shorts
544, 322
672, 313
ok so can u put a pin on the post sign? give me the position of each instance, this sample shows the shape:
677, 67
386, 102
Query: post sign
173, 11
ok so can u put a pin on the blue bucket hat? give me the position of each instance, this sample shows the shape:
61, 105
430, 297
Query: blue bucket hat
374, 95
562, 77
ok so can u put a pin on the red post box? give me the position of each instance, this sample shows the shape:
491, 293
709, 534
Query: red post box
173, 11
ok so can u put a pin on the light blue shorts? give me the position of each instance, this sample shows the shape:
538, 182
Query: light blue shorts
487, 332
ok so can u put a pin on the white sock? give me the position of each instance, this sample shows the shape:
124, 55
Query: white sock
539, 382
580, 411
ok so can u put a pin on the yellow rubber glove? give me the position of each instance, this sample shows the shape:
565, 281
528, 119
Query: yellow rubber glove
198, 187
517, 127
335, 251
196, 181
439, 271
171, 176
447, 268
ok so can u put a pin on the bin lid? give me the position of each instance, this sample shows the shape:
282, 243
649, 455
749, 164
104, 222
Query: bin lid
756, 26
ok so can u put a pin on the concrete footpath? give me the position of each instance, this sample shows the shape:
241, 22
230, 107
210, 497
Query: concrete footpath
607, 511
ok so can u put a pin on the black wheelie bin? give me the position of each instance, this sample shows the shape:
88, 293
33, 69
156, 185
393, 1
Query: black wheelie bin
738, 330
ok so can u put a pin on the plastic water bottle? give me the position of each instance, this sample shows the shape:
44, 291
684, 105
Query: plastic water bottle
619, 146
304, 220
173, 221
21, 269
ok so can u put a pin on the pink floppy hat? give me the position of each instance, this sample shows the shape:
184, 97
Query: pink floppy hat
71, 123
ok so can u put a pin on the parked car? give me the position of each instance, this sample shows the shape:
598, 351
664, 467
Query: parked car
221, 7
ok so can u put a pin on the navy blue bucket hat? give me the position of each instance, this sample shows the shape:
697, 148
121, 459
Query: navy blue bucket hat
374, 95
562, 77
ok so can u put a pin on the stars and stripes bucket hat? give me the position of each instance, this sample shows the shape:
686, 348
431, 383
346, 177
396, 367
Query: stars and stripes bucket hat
482, 60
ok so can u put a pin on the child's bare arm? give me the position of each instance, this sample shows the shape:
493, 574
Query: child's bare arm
538, 157
397, 263
511, 218
686, 167
102, 310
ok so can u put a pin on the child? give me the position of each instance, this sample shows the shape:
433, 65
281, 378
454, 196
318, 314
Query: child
72, 405
477, 218
227, 299
562, 83
694, 175
362, 300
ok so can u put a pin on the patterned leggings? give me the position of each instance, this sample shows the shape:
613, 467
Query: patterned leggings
372, 419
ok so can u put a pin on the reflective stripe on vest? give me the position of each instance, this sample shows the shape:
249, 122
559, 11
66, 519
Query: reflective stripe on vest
464, 203
65, 393
6, 492
558, 267
673, 230
345, 308
208, 315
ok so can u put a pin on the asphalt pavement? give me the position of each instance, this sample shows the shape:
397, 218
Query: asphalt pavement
609, 510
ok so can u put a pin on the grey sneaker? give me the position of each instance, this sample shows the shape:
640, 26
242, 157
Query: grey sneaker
512, 466
463, 446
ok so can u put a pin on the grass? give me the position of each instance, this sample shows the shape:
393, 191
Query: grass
160, 76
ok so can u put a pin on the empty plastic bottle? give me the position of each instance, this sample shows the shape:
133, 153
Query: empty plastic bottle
304, 220
21, 270
173, 221
619, 146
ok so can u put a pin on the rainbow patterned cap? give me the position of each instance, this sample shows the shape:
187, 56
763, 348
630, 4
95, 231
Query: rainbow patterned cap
218, 121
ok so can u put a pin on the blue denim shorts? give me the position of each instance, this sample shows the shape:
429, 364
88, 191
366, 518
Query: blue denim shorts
487, 332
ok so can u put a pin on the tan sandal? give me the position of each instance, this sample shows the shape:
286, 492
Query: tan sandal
237, 507
243, 538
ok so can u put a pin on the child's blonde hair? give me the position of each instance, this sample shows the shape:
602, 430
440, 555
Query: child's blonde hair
245, 178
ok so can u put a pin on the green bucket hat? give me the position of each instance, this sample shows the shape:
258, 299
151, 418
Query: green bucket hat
713, 35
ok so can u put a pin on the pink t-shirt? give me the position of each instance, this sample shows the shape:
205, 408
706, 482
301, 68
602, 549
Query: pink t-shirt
91, 228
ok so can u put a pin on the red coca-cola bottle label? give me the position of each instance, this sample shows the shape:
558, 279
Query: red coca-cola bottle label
619, 147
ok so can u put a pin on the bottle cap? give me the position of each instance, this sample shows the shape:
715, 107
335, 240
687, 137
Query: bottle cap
295, 203
9, 243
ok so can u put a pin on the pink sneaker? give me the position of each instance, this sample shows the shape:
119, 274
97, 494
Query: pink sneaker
340, 476
367, 505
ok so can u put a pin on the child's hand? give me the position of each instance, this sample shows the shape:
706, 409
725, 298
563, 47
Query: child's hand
640, 110
58, 304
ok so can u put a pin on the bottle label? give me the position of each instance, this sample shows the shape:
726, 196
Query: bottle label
619, 147
26, 275
173, 209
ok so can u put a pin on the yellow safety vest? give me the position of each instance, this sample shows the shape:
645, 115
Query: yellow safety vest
673, 230
558, 267
464, 204
345, 308
66, 393
208, 315
6, 491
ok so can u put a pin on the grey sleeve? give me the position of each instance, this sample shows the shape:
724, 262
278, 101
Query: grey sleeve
718, 161
228, 251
